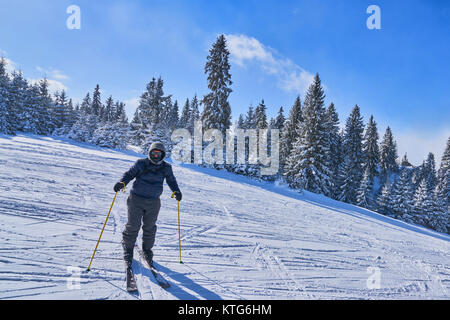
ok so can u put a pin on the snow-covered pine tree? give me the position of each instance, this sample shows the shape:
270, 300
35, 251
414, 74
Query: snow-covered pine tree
240, 122
173, 117
423, 204
16, 101
31, 120
5, 116
150, 119
335, 148
307, 165
364, 195
384, 203
46, 108
442, 193
279, 120
260, 122
388, 154
371, 149
108, 111
217, 111
70, 117
402, 194
86, 104
87, 122
185, 114
289, 135
96, 105
119, 113
260, 118
249, 122
194, 114
405, 162
59, 110
351, 172
430, 171
137, 129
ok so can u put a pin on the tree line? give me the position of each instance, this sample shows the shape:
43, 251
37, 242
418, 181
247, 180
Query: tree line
350, 164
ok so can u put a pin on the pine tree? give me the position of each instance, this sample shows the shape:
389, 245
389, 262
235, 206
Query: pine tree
108, 111
370, 148
423, 204
194, 114
352, 170
250, 122
185, 114
46, 108
388, 154
442, 194
5, 115
150, 121
217, 111
279, 120
31, 117
405, 162
289, 134
430, 171
86, 104
307, 165
335, 147
97, 105
261, 116
402, 196
16, 102
241, 122
173, 116
59, 112
364, 197
119, 113
384, 204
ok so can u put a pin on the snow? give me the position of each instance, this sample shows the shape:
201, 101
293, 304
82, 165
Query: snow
240, 238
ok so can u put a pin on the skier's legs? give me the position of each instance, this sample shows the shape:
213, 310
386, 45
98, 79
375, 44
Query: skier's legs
135, 213
149, 223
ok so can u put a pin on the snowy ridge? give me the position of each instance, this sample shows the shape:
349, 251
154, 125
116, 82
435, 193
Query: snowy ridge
241, 239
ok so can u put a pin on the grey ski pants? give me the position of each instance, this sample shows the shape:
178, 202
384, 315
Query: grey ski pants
141, 211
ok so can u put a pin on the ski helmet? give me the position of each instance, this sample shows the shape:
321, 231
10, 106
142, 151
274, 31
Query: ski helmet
156, 153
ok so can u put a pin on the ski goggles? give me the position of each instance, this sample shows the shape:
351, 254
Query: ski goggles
156, 153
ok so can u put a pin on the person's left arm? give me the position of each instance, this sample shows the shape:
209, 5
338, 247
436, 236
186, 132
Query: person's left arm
172, 182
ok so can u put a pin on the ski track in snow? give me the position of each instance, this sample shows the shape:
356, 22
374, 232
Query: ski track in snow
240, 239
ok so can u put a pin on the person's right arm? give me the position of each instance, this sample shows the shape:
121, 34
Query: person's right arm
129, 175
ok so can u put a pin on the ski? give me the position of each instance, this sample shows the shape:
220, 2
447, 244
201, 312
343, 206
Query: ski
131, 281
163, 283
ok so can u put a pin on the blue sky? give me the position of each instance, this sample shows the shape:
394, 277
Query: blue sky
399, 73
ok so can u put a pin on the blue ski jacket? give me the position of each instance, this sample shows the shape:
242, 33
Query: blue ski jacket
149, 178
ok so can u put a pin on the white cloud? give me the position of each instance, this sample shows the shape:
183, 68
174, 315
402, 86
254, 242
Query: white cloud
290, 76
418, 144
53, 85
53, 73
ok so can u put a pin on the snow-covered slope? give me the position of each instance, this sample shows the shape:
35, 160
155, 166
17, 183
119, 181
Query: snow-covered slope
240, 239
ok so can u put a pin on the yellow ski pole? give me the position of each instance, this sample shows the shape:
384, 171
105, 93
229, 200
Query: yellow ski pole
92, 258
179, 232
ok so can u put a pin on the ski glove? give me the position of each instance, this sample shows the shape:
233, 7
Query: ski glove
178, 195
119, 186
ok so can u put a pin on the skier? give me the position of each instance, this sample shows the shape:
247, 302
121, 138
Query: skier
143, 202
